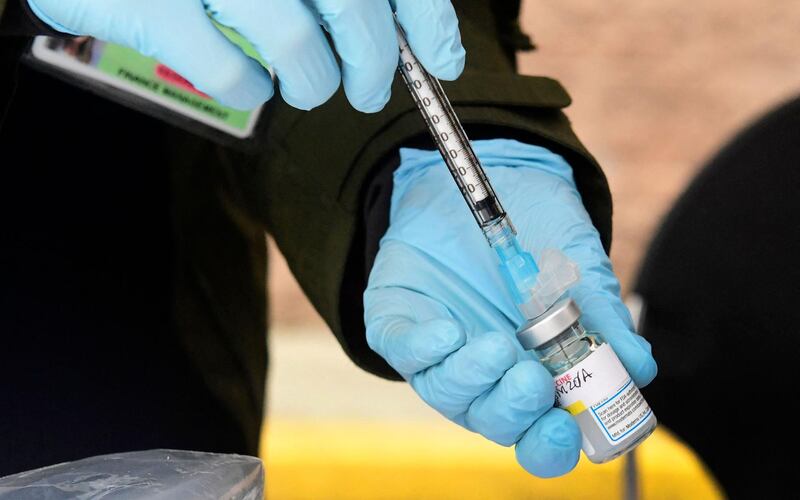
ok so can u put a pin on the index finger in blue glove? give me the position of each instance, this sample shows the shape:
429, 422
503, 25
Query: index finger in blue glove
605, 313
363, 32
431, 28
598, 296
410, 331
288, 36
178, 34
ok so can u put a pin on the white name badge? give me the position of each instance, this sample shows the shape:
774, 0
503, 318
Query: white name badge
124, 75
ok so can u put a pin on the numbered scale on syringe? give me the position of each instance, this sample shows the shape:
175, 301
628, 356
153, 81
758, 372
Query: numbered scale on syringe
450, 137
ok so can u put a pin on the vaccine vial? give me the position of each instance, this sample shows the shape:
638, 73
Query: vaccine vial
591, 382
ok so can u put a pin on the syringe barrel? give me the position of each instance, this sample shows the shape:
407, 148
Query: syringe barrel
450, 137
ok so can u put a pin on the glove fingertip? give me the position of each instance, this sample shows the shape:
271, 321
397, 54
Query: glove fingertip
447, 335
532, 385
308, 100
551, 447
644, 344
253, 88
499, 350
372, 104
645, 371
606, 314
433, 32
636, 355
451, 69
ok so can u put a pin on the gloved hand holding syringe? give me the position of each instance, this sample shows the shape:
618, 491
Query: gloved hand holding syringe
591, 382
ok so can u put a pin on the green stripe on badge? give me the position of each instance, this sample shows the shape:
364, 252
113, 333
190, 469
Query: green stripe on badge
240, 41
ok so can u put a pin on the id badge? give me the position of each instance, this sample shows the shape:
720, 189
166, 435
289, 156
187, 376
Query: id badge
123, 75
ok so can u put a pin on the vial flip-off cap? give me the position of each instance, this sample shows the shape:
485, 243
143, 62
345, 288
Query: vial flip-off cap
556, 274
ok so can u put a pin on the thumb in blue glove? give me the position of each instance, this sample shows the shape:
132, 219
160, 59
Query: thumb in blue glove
288, 35
437, 309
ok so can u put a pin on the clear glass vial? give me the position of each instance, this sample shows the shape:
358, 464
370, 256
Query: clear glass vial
591, 382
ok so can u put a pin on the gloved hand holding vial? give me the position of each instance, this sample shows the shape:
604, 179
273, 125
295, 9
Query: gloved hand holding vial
454, 352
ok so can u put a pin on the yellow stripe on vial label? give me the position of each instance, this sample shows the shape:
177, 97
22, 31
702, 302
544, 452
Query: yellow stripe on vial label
576, 407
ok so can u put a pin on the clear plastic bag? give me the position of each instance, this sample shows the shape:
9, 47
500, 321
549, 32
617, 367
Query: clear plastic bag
153, 474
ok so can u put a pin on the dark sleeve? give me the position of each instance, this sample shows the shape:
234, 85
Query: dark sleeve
315, 176
17, 24
17, 19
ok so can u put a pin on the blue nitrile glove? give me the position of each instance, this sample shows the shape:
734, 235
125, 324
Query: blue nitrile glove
437, 308
287, 34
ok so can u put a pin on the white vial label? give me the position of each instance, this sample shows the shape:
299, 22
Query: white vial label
600, 386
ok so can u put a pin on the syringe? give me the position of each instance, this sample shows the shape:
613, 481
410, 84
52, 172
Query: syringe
517, 266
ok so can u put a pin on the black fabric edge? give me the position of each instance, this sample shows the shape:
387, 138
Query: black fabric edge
19, 20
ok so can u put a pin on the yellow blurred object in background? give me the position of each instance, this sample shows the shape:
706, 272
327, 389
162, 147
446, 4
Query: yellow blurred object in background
400, 460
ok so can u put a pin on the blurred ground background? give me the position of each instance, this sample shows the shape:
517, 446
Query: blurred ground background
657, 88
